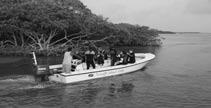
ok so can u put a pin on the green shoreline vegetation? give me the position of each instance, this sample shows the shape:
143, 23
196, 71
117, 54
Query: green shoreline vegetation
48, 27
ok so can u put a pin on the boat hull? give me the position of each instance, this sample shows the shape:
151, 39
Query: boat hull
102, 72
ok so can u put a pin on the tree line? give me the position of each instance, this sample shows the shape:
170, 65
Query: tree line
51, 25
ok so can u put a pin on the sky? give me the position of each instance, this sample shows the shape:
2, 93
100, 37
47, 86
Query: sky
170, 15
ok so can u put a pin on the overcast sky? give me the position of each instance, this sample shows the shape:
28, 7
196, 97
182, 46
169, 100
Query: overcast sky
173, 15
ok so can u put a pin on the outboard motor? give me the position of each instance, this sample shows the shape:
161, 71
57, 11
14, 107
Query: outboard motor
42, 72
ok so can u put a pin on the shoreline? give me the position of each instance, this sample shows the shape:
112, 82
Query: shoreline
17, 52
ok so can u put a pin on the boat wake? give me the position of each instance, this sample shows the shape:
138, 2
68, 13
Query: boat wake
38, 86
19, 78
22, 82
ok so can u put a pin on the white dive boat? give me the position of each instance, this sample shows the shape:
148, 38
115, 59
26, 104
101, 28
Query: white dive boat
81, 74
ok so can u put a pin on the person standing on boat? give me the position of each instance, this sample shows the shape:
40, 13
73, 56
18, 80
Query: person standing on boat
105, 55
100, 58
67, 60
113, 56
89, 58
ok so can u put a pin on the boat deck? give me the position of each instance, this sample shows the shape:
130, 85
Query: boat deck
81, 68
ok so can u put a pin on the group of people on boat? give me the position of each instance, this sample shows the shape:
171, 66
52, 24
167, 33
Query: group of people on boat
92, 57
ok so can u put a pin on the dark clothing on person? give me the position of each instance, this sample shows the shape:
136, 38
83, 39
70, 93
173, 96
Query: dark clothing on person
90, 63
123, 58
105, 55
89, 55
120, 58
131, 58
113, 56
100, 59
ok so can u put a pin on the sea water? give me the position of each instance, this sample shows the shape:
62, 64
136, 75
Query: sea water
179, 77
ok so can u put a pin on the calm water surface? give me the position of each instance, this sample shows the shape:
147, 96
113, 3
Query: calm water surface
179, 77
